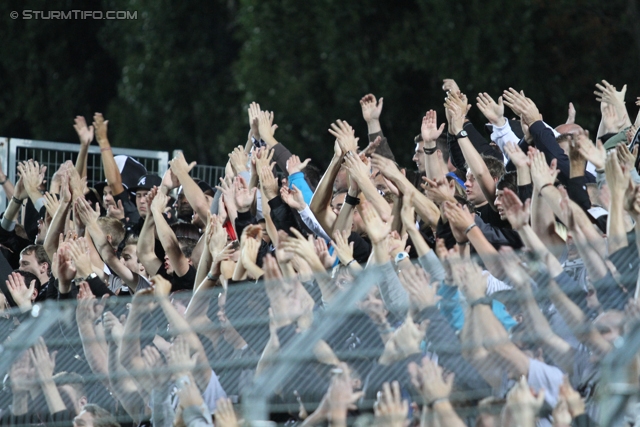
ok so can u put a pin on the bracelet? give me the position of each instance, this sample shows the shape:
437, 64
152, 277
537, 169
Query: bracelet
600, 170
469, 228
105, 149
350, 262
438, 400
484, 301
462, 243
15, 199
5, 181
350, 200
212, 277
543, 187
430, 151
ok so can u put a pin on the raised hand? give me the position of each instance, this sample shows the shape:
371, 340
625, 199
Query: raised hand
515, 211
32, 175
617, 176
459, 218
429, 381
571, 114
87, 311
43, 361
294, 165
85, 213
268, 183
492, 111
450, 85
19, 291
155, 364
263, 157
626, 158
417, 282
607, 93
254, 119
429, 129
574, 401
595, 153
243, 197
522, 106
180, 360
456, 110
84, 133
100, 126
371, 109
438, 190
541, 174
239, 159
322, 250
357, 169
113, 328
521, 402
377, 229
345, 135
161, 286
225, 415
472, 282
66, 270
159, 203
266, 127
80, 254
293, 197
390, 409
342, 248
179, 167
516, 155
51, 203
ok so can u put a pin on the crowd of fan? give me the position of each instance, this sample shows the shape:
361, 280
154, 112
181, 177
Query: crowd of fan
505, 270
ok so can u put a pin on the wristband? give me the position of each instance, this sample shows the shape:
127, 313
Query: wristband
469, 228
484, 301
212, 277
438, 400
15, 199
353, 201
543, 187
350, 262
462, 243
430, 151
5, 181
105, 149
401, 256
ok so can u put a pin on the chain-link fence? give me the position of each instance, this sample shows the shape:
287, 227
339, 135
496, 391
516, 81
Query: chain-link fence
277, 348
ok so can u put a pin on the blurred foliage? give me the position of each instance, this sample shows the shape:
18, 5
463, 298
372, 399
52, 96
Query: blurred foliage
183, 73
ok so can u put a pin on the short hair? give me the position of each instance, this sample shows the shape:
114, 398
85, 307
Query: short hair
73, 379
187, 246
112, 227
443, 146
508, 180
185, 230
312, 175
101, 417
132, 239
40, 253
495, 166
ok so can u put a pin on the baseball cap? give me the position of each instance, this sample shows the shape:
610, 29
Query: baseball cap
147, 182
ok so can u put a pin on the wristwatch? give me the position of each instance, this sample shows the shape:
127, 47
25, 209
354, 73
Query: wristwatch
401, 256
78, 280
462, 134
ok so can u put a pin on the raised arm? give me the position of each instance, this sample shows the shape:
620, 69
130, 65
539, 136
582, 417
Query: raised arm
86, 136
430, 132
95, 350
111, 171
194, 194
457, 109
168, 239
321, 200
146, 241
58, 221
179, 326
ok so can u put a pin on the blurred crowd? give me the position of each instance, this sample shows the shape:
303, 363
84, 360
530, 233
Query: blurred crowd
483, 285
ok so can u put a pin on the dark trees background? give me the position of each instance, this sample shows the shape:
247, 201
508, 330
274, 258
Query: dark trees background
182, 74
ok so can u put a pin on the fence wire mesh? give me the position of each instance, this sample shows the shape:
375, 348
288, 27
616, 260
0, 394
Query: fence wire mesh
277, 348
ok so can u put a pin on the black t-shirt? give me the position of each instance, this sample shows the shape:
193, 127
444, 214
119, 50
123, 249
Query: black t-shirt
179, 283
491, 216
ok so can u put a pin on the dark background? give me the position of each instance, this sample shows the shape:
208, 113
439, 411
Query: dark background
182, 74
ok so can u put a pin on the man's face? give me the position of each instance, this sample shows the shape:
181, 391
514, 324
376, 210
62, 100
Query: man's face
418, 156
130, 259
167, 264
30, 264
498, 204
183, 208
474, 192
141, 202
107, 197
